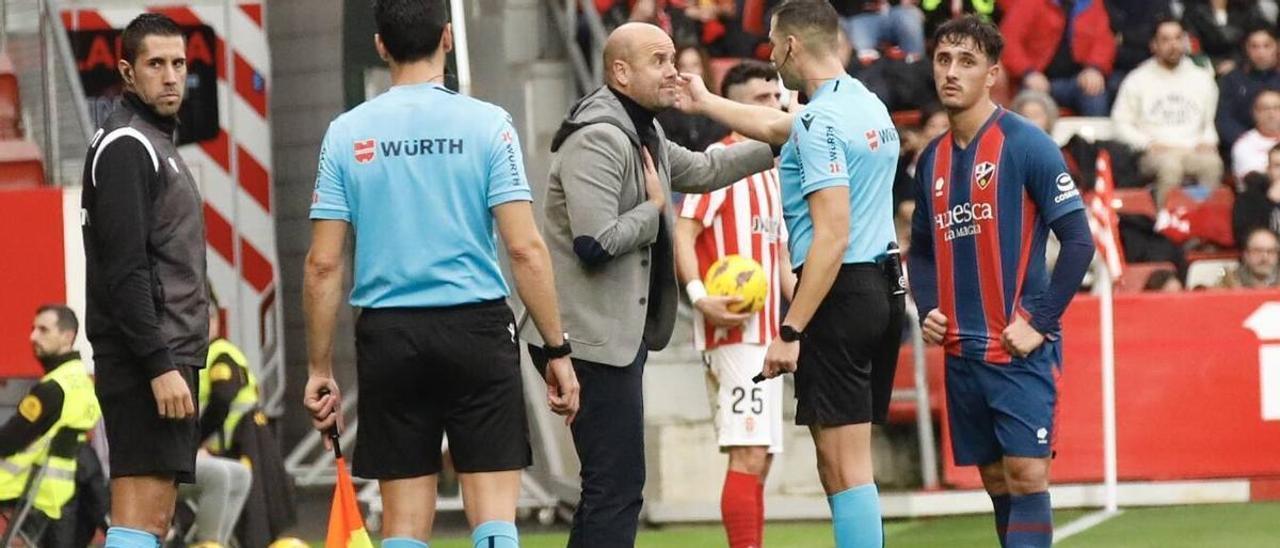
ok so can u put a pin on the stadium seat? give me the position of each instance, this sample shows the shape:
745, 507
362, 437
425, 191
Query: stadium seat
9, 121
904, 411
1135, 275
906, 118
1209, 272
719, 66
1134, 201
21, 164
9, 104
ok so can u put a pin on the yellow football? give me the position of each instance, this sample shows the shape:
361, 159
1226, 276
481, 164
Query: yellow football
738, 276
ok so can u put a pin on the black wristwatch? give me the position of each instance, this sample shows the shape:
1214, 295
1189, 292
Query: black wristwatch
554, 352
789, 334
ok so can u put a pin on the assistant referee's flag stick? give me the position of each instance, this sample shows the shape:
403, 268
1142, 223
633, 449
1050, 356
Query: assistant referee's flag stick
346, 526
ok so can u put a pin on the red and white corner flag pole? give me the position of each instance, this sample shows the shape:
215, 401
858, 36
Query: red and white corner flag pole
1104, 223
1107, 325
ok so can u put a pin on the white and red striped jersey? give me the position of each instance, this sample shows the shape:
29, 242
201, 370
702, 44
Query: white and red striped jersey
745, 219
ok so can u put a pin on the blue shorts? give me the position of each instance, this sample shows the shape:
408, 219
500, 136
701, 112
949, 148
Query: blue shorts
998, 410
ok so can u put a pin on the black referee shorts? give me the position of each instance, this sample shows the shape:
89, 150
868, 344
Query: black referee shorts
424, 372
850, 350
139, 441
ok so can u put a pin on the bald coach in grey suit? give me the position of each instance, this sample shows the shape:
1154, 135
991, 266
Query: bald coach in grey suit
608, 227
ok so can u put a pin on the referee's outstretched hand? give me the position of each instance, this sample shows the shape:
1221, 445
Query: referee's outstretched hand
562, 388
173, 397
693, 93
323, 401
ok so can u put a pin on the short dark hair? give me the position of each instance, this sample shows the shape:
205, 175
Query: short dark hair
812, 15
66, 317
1157, 280
1163, 19
411, 30
984, 35
746, 71
142, 26
929, 110
1255, 29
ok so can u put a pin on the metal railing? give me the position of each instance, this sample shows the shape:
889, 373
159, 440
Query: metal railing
55, 113
575, 18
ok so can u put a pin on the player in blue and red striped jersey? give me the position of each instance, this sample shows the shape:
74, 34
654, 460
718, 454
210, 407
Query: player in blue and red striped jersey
988, 193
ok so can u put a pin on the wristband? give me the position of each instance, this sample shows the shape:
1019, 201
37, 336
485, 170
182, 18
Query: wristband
696, 291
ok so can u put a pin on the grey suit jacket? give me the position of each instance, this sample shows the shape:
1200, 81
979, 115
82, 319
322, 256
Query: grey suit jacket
607, 242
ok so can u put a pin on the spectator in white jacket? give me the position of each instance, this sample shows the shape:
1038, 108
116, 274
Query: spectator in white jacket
1165, 110
1250, 152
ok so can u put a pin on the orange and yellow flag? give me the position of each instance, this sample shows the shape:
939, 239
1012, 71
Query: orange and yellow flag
346, 527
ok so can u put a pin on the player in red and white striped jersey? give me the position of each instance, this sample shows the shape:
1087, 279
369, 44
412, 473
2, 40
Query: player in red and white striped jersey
742, 219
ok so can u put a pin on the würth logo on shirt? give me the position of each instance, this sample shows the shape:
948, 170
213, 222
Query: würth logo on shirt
873, 139
365, 150
982, 174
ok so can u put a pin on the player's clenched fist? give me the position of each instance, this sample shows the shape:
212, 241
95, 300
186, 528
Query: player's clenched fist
934, 327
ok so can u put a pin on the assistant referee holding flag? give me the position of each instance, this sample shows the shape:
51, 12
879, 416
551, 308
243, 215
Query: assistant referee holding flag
841, 334
421, 174
146, 307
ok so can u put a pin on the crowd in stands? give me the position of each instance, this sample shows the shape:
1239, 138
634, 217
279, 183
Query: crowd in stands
1183, 95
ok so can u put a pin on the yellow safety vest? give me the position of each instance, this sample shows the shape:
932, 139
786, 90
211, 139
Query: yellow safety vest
984, 7
246, 399
80, 412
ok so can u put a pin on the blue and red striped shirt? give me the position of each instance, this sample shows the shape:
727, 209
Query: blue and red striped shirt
982, 219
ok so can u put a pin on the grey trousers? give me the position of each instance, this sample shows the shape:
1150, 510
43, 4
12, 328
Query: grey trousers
221, 488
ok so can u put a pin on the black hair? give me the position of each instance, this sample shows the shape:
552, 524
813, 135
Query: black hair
984, 35
1158, 279
800, 15
142, 26
1263, 28
1163, 19
66, 318
929, 110
746, 71
411, 30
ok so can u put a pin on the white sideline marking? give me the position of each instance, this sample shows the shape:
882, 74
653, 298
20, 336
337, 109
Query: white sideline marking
1083, 523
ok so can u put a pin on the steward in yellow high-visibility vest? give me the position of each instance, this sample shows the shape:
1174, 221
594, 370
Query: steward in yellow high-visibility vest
52, 418
232, 425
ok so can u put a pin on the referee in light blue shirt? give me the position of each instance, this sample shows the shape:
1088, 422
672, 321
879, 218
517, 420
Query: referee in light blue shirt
841, 334
421, 174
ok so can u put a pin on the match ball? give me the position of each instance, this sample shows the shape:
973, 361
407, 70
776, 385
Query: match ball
738, 276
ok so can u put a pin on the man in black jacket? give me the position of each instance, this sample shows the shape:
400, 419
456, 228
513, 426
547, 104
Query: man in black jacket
147, 311
1238, 89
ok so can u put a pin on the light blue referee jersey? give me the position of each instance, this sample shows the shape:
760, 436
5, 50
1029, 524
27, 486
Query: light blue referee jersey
416, 172
843, 137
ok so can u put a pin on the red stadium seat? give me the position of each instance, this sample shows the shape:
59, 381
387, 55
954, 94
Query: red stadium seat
9, 104
719, 66
1134, 201
904, 411
21, 164
905, 118
1135, 275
